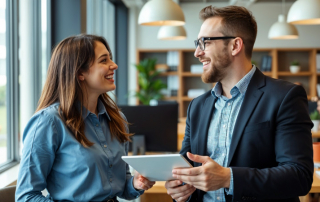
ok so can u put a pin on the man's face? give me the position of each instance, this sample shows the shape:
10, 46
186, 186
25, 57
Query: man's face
216, 58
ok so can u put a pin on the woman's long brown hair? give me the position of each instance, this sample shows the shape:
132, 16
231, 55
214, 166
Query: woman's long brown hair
70, 57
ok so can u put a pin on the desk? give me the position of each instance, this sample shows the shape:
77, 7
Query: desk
316, 134
158, 193
316, 183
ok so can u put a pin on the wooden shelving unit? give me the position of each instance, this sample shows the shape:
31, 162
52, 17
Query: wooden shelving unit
281, 59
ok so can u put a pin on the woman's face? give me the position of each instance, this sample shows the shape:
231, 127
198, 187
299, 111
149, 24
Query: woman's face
99, 78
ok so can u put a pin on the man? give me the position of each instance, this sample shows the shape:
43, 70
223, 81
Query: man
249, 138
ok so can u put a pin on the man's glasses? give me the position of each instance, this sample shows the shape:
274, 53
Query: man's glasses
201, 41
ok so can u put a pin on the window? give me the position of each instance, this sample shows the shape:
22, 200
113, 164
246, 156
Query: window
21, 75
3, 85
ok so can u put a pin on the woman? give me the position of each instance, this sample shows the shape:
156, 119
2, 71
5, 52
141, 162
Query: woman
74, 142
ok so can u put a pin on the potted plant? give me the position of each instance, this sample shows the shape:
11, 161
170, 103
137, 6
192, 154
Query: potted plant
294, 67
149, 86
315, 118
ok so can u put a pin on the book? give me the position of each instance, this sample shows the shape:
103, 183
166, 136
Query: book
269, 63
318, 89
263, 64
318, 62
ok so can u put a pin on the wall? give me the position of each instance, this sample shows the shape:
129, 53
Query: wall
265, 13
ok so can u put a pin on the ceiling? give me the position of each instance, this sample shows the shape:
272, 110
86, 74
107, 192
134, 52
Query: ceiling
245, 3
209, 1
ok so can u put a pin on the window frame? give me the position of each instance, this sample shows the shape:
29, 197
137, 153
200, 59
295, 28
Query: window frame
12, 86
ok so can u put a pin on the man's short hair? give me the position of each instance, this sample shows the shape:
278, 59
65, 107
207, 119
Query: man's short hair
236, 21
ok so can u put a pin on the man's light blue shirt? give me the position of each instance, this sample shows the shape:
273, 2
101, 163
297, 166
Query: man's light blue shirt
221, 129
53, 159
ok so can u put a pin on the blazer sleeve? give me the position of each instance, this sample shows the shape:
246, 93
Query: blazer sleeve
186, 146
293, 174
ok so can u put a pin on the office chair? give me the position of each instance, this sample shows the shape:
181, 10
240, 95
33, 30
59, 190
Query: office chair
7, 194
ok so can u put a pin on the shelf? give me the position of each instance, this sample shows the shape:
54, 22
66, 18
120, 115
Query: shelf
308, 76
267, 73
294, 74
316, 134
171, 98
189, 74
186, 98
168, 74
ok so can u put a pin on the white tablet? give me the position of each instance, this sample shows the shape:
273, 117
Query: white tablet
157, 167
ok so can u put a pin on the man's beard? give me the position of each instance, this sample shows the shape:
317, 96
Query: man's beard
218, 68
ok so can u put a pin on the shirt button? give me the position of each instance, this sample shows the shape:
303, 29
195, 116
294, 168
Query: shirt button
110, 180
97, 125
105, 145
110, 165
224, 126
218, 198
229, 104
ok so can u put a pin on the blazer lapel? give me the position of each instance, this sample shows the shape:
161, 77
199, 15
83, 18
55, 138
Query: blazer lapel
249, 103
206, 115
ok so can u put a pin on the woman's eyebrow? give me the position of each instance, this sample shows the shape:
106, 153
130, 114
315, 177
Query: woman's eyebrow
104, 55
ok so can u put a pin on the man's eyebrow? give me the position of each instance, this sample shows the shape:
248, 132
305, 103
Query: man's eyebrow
104, 55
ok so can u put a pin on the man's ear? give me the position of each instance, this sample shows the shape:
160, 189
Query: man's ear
237, 46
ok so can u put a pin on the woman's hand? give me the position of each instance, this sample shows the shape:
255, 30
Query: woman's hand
141, 183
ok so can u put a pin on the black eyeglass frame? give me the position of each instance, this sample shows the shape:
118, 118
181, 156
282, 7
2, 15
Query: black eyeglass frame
197, 43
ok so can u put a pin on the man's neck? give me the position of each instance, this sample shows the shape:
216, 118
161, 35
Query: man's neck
235, 74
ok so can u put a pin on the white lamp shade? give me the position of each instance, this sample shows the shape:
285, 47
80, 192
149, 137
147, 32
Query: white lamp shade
283, 30
172, 33
161, 12
305, 12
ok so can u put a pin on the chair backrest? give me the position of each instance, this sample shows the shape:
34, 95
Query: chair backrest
7, 194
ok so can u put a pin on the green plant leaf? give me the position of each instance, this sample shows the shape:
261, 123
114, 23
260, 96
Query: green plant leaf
149, 85
315, 115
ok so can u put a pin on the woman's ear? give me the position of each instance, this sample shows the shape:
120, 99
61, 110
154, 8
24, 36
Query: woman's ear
81, 76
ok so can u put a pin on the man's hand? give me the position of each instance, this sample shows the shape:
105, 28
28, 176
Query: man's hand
141, 183
178, 192
208, 177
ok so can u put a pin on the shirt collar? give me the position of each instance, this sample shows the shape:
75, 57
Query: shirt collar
101, 110
241, 86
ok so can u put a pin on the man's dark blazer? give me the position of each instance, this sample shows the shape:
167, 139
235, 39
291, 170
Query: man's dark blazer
271, 153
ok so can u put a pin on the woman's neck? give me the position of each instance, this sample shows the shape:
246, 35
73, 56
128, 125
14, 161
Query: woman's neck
91, 104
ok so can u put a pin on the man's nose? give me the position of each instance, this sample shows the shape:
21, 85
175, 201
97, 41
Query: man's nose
198, 52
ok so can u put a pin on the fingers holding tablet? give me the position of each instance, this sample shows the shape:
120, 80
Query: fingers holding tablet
178, 190
142, 183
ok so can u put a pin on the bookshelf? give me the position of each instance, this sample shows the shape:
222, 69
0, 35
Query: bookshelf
308, 76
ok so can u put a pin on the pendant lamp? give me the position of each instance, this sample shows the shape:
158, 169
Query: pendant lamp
161, 12
305, 12
282, 29
172, 33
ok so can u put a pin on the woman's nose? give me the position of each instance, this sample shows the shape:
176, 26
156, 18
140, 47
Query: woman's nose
114, 65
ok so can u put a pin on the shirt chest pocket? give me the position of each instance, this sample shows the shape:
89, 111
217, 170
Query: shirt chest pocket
257, 126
